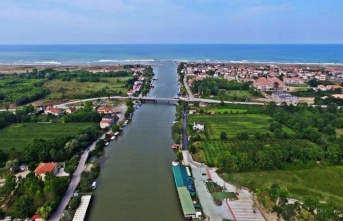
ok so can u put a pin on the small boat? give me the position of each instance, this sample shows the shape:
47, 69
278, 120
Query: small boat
116, 133
175, 163
113, 137
93, 185
107, 143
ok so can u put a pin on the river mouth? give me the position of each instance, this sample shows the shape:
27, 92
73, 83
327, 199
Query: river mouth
136, 181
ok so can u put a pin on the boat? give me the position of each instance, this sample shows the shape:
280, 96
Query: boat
93, 185
116, 133
155, 78
113, 137
175, 163
107, 143
122, 128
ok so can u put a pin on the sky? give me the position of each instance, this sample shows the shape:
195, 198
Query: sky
170, 21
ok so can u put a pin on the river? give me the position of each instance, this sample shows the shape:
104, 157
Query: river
136, 181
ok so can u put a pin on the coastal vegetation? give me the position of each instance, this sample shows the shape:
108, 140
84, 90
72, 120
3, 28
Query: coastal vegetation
22, 88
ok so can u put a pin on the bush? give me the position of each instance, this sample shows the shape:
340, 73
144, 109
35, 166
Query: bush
75, 202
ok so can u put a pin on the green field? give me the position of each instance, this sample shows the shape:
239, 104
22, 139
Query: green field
325, 183
213, 149
19, 135
232, 124
70, 89
228, 110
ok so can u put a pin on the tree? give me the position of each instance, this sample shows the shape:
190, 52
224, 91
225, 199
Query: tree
275, 125
13, 165
24, 206
242, 135
278, 210
75, 202
223, 136
115, 128
46, 210
179, 156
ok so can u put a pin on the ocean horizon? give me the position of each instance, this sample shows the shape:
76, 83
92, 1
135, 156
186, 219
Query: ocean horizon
97, 54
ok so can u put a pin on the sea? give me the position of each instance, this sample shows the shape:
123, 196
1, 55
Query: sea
148, 53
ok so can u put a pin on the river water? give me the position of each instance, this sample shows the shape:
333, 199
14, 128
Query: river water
136, 181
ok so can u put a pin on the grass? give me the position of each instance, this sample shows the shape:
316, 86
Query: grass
72, 89
238, 95
229, 110
225, 195
232, 124
19, 135
321, 182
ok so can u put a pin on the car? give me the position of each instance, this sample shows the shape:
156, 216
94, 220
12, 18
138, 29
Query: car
204, 174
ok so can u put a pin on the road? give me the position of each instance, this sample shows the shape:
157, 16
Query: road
77, 175
189, 91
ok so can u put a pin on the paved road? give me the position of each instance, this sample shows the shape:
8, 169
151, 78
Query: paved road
242, 208
73, 184
76, 176
184, 130
189, 91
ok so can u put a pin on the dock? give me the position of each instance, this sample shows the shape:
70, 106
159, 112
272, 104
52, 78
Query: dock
184, 188
80, 214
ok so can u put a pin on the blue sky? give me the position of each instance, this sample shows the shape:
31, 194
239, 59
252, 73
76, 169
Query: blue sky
170, 21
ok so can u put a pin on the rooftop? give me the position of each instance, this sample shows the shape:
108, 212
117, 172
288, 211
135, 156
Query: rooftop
45, 167
186, 201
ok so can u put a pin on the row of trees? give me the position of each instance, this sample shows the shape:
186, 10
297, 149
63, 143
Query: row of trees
212, 86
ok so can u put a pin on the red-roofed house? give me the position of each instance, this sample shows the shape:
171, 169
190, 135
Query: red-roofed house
44, 168
108, 121
53, 111
106, 110
267, 84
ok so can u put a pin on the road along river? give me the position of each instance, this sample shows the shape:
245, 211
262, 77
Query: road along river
136, 181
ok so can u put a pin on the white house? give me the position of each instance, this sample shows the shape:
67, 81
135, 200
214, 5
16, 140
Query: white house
198, 126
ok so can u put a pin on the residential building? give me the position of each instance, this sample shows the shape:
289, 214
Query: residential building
54, 111
106, 110
44, 168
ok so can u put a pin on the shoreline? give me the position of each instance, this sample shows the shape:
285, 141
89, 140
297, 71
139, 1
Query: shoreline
22, 68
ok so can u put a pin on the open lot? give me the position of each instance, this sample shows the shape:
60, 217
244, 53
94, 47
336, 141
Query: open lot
321, 182
19, 135
72, 89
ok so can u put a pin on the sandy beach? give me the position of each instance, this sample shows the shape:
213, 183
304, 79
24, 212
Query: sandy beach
12, 69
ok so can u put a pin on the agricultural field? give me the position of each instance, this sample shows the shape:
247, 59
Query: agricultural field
234, 123
73, 89
300, 183
19, 135
213, 149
